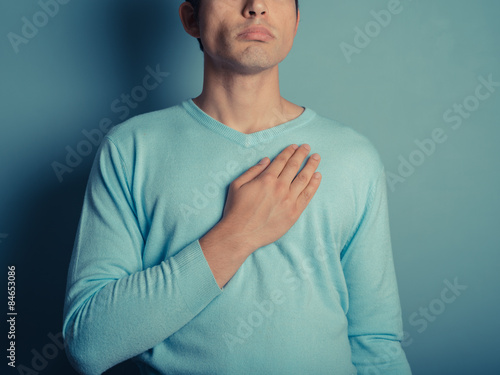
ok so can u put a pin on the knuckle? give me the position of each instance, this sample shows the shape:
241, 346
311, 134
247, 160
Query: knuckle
281, 187
302, 178
289, 202
268, 179
282, 158
294, 164
307, 194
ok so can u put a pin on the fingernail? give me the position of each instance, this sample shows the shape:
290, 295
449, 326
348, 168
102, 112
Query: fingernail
315, 157
263, 161
307, 147
295, 147
317, 175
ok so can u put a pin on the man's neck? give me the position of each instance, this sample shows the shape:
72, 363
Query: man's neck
245, 102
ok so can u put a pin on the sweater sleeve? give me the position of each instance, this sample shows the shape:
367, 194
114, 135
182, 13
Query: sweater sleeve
114, 308
375, 325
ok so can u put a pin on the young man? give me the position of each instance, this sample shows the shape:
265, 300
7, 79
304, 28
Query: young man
193, 257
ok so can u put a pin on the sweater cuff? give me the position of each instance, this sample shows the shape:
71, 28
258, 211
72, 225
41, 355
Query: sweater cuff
196, 280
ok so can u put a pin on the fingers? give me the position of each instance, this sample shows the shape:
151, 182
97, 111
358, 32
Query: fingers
251, 173
303, 179
279, 162
306, 195
293, 165
285, 167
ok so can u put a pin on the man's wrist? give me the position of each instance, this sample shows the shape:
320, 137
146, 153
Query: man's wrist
223, 236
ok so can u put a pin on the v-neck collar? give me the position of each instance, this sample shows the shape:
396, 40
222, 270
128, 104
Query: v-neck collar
246, 140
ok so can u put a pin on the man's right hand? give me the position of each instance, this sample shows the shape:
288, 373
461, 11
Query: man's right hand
264, 203
261, 206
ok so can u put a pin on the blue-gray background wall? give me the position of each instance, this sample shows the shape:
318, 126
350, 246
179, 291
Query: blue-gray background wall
401, 84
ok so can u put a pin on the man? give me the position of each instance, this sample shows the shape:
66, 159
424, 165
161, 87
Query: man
197, 254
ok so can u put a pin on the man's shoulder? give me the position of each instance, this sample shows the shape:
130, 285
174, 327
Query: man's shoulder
150, 124
348, 143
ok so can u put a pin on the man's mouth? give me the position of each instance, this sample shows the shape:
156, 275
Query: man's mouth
259, 33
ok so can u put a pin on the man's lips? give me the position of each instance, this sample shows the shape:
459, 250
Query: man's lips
256, 33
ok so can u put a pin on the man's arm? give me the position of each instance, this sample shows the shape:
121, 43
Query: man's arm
374, 315
115, 309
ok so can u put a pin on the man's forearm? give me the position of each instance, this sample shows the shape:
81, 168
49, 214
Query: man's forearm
225, 252
136, 312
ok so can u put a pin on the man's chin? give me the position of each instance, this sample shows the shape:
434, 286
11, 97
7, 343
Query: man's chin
253, 69
254, 60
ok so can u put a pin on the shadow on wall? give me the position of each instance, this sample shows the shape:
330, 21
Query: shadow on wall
43, 237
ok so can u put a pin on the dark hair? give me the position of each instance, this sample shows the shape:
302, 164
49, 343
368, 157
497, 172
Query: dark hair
196, 7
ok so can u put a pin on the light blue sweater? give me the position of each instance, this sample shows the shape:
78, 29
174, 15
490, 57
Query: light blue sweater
323, 299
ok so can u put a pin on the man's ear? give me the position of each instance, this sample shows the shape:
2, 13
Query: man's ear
298, 20
186, 13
